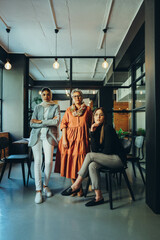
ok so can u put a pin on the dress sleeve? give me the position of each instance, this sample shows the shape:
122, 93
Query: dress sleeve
53, 122
65, 120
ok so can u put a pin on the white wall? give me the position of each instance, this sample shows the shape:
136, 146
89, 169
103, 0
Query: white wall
13, 105
141, 122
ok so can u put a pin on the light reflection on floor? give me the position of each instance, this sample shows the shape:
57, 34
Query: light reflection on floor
67, 218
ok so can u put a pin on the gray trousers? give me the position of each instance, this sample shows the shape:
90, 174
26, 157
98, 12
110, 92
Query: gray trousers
93, 162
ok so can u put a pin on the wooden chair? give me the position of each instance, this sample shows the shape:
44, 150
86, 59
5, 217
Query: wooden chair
16, 158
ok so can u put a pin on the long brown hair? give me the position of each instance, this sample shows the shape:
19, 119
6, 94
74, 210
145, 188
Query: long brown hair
102, 128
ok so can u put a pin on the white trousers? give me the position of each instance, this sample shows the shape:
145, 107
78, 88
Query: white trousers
48, 156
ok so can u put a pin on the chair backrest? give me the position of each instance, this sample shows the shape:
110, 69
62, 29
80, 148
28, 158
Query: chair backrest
4, 143
139, 141
126, 143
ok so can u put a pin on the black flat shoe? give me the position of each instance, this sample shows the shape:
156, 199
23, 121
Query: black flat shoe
94, 203
68, 191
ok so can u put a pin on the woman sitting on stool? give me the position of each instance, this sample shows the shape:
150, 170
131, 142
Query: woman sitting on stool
107, 151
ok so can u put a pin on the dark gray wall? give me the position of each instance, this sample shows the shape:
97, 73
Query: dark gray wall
13, 97
106, 101
152, 59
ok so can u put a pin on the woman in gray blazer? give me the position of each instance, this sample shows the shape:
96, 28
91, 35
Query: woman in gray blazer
44, 123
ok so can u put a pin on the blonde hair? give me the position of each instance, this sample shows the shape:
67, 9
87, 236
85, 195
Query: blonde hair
102, 128
76, 90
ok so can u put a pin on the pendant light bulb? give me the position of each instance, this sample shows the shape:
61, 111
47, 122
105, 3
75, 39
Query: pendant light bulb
56, 64
105, 64
8, 66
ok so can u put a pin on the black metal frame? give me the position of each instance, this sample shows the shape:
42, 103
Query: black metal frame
134, 110
1, 99
70, 84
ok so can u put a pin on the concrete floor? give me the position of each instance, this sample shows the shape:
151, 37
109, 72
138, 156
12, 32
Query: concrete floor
67, 218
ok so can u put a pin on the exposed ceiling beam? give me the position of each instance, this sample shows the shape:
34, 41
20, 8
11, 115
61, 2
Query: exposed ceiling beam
53, 14
35, 65
66, 84
105, 23
94, 68
102, 36
66, 67
4, 22
69, 21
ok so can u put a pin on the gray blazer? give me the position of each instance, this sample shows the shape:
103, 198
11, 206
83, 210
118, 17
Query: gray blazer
51, 124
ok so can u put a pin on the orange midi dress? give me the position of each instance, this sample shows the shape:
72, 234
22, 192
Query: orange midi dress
69, 161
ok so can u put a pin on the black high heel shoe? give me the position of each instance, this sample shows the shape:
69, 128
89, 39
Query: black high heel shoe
68, 191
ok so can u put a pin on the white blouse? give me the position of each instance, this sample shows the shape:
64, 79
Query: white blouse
44, 130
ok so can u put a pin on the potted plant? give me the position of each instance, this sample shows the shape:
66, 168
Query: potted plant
141, 132
122, 134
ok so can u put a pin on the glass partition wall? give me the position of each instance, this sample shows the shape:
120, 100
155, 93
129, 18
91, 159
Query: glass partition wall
72, 73
87, 74
129, 103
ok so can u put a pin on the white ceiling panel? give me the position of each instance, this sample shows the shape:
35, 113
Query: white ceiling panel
42, 69
81, 23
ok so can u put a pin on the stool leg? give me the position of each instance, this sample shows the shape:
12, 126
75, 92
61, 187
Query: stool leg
106, 182
110, 190
128, 184
3, 169
10, 168
134, 170
23, 173
120, 178
140, 170
87, 186
29, 172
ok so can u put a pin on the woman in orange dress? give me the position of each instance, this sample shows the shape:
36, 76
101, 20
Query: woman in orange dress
74, 144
